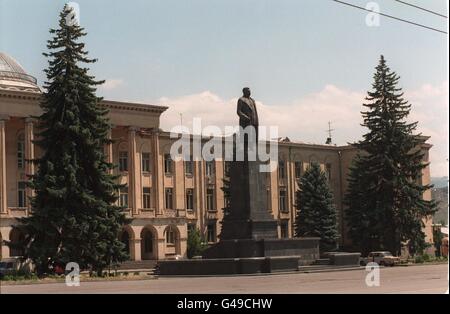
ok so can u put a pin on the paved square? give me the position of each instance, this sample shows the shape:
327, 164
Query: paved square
411, 279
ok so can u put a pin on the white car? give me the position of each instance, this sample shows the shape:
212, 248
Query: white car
382, 258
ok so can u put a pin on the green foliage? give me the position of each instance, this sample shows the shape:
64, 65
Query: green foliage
316, 214
18, 275
424, 258
73, 217
195, 243
385, 204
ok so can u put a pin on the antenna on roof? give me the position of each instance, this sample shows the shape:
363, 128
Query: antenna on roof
329, 141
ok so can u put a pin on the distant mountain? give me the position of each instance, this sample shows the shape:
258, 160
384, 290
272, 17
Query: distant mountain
439, 182
441, 195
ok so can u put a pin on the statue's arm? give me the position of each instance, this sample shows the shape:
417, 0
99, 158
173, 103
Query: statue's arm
240, 113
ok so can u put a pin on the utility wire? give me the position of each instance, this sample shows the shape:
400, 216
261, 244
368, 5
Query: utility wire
423, 9
390, 16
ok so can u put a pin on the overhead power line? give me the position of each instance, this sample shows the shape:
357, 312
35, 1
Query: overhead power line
390, 16
423, 9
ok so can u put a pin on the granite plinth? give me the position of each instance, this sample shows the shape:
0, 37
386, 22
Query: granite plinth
247, 256
307, 248
229, 266
250, 217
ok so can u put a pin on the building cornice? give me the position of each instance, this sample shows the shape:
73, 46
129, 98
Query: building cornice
128, 106
110, 104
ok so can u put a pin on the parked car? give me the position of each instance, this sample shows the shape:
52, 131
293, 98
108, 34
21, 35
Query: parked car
12, 265
382, 258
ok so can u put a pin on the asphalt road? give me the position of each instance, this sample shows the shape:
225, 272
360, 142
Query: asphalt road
411, 279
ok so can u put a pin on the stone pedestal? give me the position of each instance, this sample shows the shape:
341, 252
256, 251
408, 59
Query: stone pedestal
249, 216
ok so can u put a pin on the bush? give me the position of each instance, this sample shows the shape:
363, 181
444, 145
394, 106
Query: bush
20, 275
419, 259
424, 258
195, 245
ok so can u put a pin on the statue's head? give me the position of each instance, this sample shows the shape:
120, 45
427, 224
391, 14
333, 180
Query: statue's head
246, 91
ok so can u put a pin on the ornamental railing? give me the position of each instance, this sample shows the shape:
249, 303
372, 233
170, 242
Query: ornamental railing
15, 76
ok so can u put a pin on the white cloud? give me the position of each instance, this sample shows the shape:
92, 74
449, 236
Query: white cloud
111, 84
306, 119
430, 108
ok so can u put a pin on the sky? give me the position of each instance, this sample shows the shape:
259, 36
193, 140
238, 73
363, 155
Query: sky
307, 61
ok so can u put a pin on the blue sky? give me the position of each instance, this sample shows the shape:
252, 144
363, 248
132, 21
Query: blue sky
285, 50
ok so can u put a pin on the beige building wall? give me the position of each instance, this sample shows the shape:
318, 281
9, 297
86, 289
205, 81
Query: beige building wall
159, 227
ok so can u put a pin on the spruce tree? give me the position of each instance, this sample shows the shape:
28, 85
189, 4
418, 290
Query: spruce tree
316, 213
73, 216
385, 196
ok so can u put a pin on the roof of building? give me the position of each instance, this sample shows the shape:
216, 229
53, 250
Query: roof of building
14, 77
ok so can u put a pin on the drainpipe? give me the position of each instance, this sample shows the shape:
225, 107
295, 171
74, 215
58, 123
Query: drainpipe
342, 198
292, 196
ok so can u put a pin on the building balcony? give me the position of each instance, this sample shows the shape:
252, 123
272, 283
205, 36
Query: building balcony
174, 213
18, 212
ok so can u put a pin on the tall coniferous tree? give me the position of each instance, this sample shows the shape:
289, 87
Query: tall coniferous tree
73, 217
316, 213
385, 196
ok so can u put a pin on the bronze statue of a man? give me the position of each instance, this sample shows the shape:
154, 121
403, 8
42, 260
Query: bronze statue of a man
246, 110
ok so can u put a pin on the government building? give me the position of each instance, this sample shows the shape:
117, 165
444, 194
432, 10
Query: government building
164, 197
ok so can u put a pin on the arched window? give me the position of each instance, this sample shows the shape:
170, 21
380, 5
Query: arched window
148, 242
16, 238
170, 236
21, 151
123, 161
125, 239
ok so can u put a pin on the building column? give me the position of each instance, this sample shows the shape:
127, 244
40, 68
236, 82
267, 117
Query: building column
4, 237
29, 152
161, 243
157, 174
135, 249
133, 172
3, 202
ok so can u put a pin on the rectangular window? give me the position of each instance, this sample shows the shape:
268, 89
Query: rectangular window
145, 162
227, 201
146, 198
211, 232
283, 205
123, 161
21, 194
167, 164
170, 236
169, 198
298, 169
227, 168
189, 167
191, 227
210, 168
328, 171
281, 169
21, 154
123, 197
284, 229
189, 199
210, 200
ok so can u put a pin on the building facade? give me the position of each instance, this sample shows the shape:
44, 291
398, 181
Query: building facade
164, 197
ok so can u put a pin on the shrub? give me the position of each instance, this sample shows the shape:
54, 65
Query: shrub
195, 245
